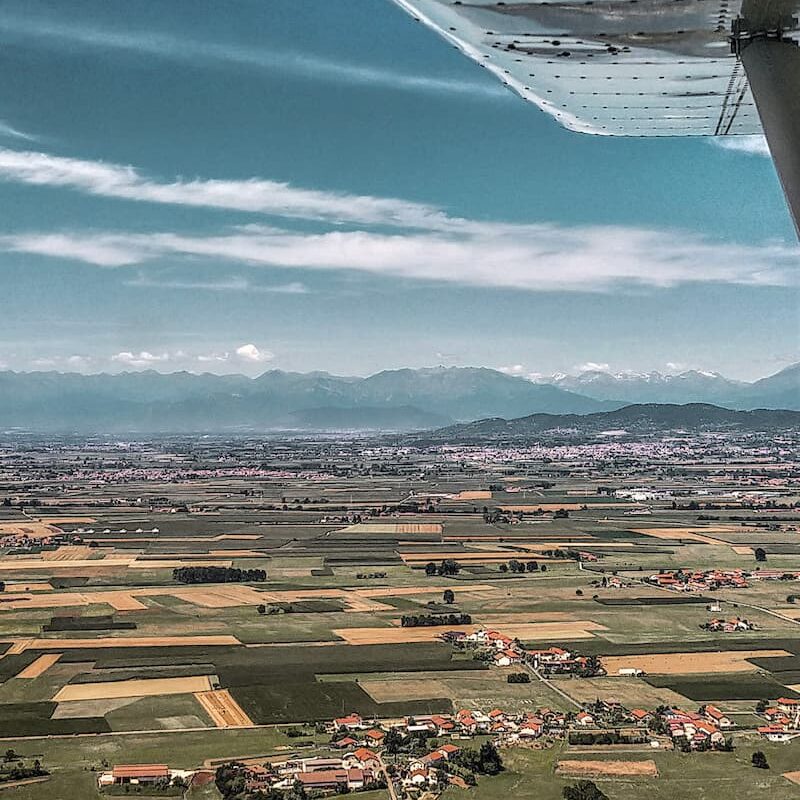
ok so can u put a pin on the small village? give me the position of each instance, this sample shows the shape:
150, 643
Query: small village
426, 754
503, 651
704, 580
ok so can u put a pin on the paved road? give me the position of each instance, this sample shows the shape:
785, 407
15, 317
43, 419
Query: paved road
552, 686
389, 784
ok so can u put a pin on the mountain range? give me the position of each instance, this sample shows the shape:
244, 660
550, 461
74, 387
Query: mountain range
404, 399
781, 390
149, 401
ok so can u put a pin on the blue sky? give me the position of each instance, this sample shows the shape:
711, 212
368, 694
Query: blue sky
327, 185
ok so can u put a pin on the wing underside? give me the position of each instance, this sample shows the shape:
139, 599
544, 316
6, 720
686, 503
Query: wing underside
609, 67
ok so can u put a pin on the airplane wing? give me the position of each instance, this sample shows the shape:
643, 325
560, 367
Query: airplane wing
609, 67
642, 67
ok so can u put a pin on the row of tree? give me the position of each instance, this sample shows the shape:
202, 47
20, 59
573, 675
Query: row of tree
433, 620
217, 575
447, 567
518, 566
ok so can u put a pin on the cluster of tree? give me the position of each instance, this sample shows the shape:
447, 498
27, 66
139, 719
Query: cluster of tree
760, 554
20, 771
518, 677
759, 760
519, 566
217, 575
366, 575
447, 567
416, 743
486, 761
606, 737
685, 746
2, 586
583, 790
589, 669
281, 608
432, 620
295, 733
231, 781
560, 553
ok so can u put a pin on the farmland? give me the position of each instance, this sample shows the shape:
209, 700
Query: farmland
98, 636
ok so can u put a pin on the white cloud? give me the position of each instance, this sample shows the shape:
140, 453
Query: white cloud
79, 362
254, 195
213, 358
675, 366
514, 369
173, 48
751, 145
593, 366
101, 250
539, 257
432, 246
249, 352
140, 359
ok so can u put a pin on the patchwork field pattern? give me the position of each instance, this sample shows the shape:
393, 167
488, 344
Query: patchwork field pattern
98, 637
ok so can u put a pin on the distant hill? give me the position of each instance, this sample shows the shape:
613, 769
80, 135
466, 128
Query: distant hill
638, 418
151, 402
777, 391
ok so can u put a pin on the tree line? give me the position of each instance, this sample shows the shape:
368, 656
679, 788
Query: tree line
432, 620
447, 567
217, 575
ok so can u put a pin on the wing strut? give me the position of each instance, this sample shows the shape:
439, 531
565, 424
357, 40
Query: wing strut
772, 64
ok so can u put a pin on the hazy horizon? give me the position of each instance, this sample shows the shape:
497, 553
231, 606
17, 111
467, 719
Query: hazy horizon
514, 371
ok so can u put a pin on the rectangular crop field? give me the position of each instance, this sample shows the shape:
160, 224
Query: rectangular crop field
689, 663
142, 687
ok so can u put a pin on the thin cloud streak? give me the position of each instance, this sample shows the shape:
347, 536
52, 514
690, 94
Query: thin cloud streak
255, 195
530, 258
303, 65
235, 284
10, 132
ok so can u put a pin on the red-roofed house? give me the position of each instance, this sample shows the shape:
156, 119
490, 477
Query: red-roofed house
362, 758
350, 722
505, 658
140, 773
714, 715
374, 737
